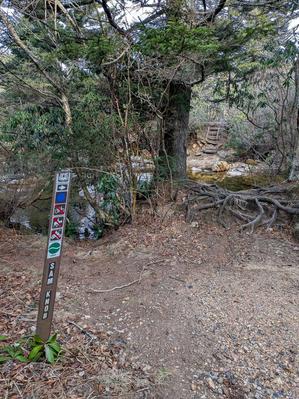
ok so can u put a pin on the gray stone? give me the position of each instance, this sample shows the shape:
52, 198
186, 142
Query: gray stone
210, 383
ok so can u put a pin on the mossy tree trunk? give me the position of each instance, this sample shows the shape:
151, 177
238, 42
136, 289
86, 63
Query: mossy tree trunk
294, 172
173, 151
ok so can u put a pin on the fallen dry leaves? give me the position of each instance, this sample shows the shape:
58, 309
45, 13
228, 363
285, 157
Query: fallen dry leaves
96, 367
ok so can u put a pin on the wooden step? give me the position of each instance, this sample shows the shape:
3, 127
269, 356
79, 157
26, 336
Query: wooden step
209, 150
210, 137
212, 142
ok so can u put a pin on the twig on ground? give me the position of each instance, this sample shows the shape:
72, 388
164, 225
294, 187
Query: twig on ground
178, 279
27, 320
8, 314
20, 300
83, 330
120, 287
19, 392
138, 280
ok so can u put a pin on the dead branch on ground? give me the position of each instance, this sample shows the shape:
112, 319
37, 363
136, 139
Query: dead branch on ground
138, 280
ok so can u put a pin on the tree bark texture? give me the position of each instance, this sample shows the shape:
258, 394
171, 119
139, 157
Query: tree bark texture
294, 172
173, 152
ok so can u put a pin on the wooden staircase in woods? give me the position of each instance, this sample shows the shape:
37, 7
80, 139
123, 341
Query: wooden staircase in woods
215, 138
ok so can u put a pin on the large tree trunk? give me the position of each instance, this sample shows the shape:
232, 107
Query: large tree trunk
173, 151
294, 172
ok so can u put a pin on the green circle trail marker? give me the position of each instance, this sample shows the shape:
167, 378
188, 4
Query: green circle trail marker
54, 249
57, 222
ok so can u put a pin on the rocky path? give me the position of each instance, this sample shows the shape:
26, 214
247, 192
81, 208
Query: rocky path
214, 315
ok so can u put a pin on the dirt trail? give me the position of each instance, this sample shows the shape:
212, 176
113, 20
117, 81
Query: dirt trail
215, 314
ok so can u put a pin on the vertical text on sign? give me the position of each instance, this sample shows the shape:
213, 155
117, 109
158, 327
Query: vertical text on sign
51, 273
46, 304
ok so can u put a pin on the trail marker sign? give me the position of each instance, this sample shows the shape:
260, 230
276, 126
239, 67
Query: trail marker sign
57, 223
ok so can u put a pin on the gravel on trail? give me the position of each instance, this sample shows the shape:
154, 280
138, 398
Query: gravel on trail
213, 313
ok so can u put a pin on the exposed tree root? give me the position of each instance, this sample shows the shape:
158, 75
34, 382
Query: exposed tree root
256, 207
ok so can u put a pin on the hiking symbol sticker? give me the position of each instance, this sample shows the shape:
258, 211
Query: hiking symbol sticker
62, 187
57, 222
54, 249
63, 177
59, 210
56, 235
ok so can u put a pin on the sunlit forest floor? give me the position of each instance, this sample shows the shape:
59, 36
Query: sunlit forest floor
180, 312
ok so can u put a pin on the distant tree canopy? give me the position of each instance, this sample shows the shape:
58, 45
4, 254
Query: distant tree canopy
81, 79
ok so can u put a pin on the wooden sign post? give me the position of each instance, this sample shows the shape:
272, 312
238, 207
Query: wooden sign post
57, 223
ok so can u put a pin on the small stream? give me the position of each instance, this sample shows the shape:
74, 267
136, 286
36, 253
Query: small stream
81, 224
235, 183
35, 218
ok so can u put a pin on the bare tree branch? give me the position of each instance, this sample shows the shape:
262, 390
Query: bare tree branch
214, 13
111, 19
67, 15
28, 52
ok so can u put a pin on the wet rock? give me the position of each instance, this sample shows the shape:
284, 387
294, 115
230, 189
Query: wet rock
228, 155
251, 162
238, 169
220, 166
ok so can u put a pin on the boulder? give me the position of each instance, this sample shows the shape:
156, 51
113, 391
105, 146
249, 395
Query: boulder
251, 162
220, 166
